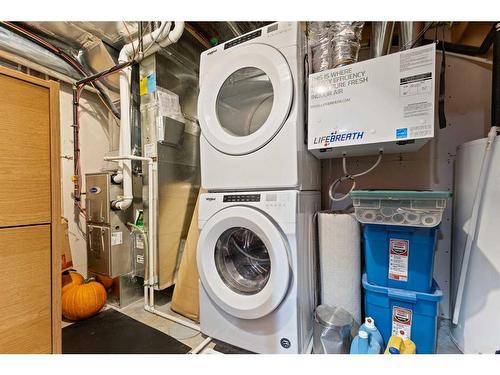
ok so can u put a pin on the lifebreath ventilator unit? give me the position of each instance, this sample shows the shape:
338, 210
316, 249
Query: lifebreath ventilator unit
385, 104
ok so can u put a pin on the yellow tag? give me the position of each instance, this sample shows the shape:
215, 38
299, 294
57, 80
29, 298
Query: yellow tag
143, 86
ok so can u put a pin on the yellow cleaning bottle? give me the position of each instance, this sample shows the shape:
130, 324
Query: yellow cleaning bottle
400, 344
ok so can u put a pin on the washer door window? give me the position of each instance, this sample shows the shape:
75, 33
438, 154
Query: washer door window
243, 262
245, 100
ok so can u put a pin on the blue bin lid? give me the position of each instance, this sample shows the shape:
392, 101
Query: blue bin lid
400, 194
435, 295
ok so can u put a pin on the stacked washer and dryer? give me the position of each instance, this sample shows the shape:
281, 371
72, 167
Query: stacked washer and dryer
256, 250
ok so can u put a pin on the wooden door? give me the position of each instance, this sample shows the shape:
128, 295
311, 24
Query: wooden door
30, 215
24, 153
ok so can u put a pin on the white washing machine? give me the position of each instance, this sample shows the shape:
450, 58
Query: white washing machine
256, 265
251, 109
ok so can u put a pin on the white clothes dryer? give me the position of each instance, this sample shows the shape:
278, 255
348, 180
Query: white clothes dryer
251, 109
256, 262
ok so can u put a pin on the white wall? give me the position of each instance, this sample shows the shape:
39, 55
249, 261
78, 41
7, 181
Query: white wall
468, 110
99, 134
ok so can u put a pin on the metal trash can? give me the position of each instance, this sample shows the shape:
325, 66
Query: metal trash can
334, 329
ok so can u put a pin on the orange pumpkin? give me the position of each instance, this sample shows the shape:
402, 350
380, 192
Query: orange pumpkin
104, 280
69, 280
84, 300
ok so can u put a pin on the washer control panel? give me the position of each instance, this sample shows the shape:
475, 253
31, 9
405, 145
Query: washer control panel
241, 198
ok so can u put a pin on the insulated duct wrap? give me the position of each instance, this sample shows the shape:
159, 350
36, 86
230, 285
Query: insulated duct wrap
346, 42
320, 40
334, 44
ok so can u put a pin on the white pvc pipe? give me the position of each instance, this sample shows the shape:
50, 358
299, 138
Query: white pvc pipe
175, 319
472, 229
200, 347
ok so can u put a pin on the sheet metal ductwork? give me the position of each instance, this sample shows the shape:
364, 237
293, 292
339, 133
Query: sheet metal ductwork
408, 34
85, 46
334, 44
381, 38
17, 45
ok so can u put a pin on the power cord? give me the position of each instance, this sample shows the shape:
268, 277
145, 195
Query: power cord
335, 184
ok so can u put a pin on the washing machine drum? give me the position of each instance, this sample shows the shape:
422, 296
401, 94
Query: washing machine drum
243, 262
245, 100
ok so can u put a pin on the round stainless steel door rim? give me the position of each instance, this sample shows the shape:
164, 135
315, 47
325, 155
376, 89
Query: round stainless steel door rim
275, 66
244, 306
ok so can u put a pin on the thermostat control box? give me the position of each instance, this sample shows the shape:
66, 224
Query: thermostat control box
385, 103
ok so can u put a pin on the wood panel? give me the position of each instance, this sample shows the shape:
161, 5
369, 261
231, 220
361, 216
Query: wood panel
25, 295
25, 184
50, 140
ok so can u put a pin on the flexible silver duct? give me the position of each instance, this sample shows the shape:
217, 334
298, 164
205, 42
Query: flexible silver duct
334, 44
346, 42
320, 41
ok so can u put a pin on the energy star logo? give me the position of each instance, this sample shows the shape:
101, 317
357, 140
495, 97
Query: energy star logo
334, 137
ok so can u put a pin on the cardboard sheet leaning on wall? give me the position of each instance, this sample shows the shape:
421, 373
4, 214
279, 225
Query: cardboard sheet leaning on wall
185, 299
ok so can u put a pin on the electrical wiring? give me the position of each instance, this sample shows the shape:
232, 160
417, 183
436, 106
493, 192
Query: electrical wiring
411, 44
131, 40
336, 183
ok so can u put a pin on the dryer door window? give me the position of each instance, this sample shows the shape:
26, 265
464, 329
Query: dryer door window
242, 261
245, 99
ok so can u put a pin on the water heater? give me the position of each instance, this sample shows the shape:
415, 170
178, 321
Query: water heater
385, 103
478, 326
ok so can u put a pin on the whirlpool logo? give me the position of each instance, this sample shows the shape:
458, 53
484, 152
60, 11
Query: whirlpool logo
335, 137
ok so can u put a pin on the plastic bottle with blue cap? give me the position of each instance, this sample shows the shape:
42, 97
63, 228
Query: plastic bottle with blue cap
364, 343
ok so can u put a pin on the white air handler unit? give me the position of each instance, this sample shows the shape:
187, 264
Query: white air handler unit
382, 104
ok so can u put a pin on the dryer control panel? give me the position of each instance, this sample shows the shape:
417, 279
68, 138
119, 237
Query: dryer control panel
243, 39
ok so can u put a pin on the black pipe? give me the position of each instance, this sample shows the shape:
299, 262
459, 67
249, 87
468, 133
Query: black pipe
95, 77
495, 84
76, 148
465, 49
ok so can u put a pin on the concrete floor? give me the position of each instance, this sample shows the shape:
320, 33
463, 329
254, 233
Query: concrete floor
179, 332
193, 338
444, 344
